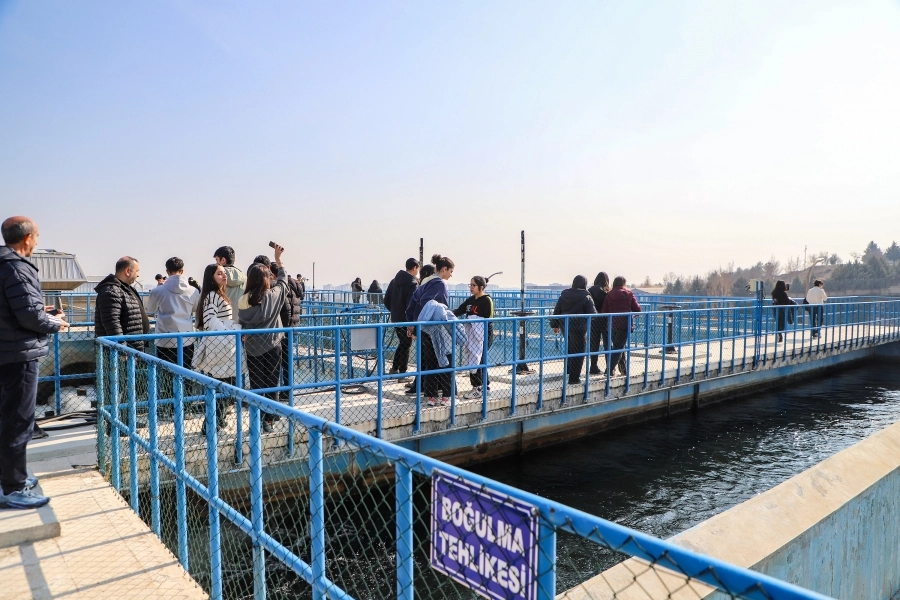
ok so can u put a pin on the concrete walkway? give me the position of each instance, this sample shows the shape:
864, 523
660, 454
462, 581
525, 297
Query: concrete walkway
87, 543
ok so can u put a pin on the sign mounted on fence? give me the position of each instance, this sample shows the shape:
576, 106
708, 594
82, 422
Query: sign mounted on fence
485, 540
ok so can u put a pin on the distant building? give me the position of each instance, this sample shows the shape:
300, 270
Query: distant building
59, 271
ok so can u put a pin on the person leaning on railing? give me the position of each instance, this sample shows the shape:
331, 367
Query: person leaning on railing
260, 308
399, 291
620, 300
574, 301
215, 356
25, 327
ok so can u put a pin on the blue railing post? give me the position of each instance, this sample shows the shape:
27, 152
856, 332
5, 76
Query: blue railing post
114, 420
546, 575
180, 487
418, 424
56, 383
212, 474
256, 504
153, 434
132, 432
757, 324
380, 369
238, 405
337, 374
540, 397
317, 513
290, 382
404, 533
102, 422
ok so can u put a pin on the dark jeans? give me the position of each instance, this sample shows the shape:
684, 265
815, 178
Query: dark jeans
475, 376
223, 404
617, 359
599, 334
264, 370
575, 345
432, 384
171, 355
401, 355
816, 313
18, 394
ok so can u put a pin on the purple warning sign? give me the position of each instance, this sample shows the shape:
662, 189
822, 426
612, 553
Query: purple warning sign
483, 539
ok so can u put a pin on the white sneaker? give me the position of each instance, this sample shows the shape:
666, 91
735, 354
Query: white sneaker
432, 402
475, 392
445, 401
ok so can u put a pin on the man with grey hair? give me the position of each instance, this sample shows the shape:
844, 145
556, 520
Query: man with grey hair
25, 325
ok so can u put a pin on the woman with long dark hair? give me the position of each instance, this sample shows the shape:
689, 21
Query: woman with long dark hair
216, 354
599, 325
436, 387
478, 305
781, 300
357, 289
260, 308
374, 292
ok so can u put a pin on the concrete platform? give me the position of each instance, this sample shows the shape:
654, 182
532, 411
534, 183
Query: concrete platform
101, 549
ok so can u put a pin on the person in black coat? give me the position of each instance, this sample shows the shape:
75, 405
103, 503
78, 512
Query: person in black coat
781, 299
574, 301
290, 317
25, 325
397, 296
118, 308
599, 325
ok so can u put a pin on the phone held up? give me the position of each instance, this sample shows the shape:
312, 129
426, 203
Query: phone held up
274, 245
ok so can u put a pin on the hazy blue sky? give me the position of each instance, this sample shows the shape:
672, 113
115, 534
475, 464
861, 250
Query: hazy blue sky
633, 137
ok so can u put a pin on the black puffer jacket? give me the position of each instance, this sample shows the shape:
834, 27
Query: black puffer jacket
598, 295
24, 324
573, 302
398, 293
119, 311
290, 312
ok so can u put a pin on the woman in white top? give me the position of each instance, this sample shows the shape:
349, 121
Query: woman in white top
816, 297
216, 355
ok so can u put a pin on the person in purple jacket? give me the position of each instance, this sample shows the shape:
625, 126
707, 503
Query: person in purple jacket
620, 300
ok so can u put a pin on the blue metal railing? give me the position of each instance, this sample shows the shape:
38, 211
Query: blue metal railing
658, 349
143, 442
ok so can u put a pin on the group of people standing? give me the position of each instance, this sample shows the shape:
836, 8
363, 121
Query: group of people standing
419, 294
598, 299
228, 300
784, 315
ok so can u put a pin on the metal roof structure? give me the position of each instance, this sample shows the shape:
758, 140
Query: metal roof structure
58, 270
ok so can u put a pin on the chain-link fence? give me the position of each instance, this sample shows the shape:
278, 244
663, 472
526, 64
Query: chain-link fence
394, 381
317, 509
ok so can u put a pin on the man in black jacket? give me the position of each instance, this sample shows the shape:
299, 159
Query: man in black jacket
574, 301
25, 324
119, 310
290, 317
397, 296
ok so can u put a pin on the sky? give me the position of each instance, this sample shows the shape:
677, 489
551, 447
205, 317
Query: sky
638, 138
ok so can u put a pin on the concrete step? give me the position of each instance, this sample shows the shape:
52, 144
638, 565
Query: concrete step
24, 526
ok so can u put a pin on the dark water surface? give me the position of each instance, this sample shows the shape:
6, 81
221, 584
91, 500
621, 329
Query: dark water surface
665, 476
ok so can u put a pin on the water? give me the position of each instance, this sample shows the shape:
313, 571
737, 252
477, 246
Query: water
663, 477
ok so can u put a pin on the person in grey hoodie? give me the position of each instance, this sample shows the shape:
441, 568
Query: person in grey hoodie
174, 304
260, 308
234, 289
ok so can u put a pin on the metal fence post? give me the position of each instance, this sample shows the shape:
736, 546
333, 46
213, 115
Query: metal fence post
546, 575
132, 433
238, 407
114, 421
180, 487
100, 387
153, 434
256, 503
56, 383
317, 513
337, 374
290, 381
404, 534
212, 473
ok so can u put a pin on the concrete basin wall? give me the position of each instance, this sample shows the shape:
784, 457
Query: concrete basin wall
834, 529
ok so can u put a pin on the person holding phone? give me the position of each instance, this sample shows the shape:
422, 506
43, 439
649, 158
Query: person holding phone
260, 308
